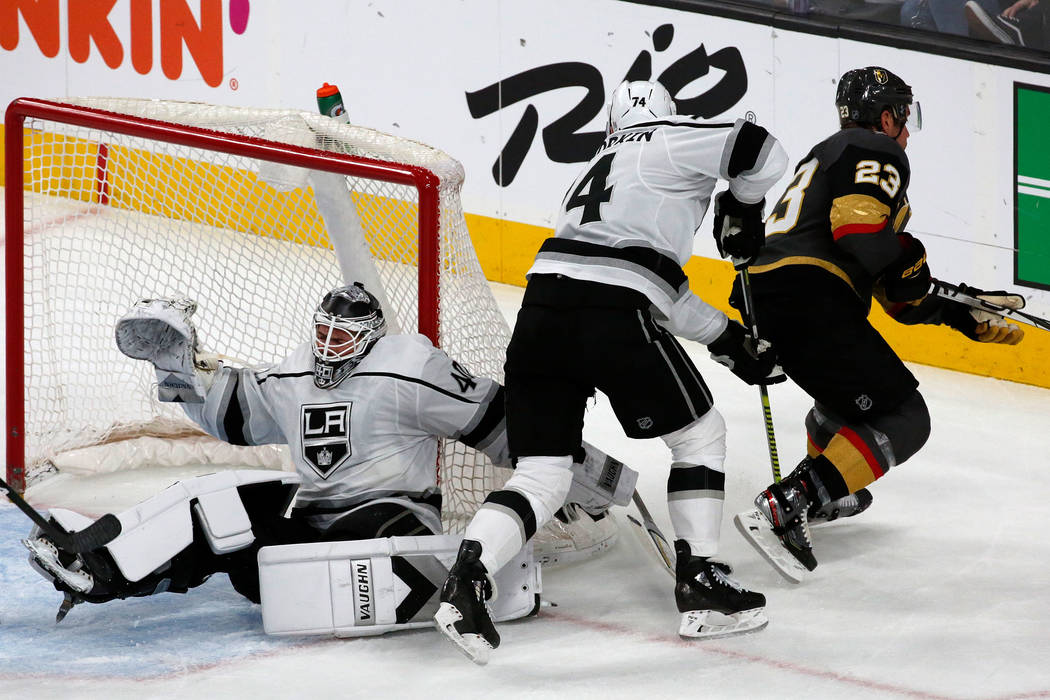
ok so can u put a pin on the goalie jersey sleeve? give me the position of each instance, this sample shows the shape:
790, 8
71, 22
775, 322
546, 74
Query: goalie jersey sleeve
375, 435
630, 217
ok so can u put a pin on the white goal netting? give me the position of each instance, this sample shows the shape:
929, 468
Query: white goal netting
228, 206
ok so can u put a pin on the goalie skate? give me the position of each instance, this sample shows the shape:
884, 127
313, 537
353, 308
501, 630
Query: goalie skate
44, 557
758, 531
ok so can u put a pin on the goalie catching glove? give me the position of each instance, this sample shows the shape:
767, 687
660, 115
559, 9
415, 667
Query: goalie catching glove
739, 231
160, 332
981, 325
752, 360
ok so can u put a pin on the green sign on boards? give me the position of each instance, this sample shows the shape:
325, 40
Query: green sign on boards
1032, 193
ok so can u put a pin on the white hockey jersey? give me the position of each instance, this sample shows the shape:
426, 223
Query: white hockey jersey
630, 217
374, 436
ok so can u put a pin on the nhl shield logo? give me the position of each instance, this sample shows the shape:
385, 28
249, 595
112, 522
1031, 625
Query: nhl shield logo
326, 436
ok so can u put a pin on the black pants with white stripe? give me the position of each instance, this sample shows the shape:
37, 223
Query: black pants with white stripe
572, 337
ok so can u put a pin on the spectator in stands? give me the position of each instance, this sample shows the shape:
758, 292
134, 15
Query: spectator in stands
1022, 23
946, 16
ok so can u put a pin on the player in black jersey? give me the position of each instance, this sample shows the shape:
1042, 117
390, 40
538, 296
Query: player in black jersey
835, 240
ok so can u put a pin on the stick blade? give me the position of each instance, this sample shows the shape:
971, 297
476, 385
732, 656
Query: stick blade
97, 534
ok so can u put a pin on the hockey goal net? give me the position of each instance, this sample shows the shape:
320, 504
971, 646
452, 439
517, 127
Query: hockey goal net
254, 213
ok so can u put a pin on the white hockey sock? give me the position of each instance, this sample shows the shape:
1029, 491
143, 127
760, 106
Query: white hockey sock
696, 485
510, 516
698, 521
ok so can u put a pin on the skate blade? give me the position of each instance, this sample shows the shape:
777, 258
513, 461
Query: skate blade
473, 646
756, 530
710, 624
45, 557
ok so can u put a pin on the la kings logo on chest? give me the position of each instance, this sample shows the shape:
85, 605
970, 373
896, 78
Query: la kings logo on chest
325, 436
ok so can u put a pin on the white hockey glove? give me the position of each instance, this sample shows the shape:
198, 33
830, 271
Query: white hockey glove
982, 325
600, 481
160, 331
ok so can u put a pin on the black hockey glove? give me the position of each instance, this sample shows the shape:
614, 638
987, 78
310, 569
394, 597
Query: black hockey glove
755, 363
907, 279
980, 325
739, 230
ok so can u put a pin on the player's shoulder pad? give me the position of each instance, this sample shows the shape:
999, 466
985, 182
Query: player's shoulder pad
677, 120
401, 353
301, 359
857, 144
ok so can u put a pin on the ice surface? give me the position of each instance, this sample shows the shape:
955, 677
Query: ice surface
940, 590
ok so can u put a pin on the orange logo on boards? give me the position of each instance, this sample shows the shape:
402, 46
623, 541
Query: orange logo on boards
89, 26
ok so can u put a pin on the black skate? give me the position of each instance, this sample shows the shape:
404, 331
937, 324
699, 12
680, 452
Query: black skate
463, 615
69, 573
88, 577
780, 511
712, 604
845, 507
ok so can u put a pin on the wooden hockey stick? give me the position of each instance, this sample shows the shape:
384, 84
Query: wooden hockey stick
95, 535
660, 546
767, 412
957, 294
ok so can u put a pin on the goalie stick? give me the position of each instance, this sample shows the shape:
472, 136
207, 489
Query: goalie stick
653, 539
97, 534
957, 294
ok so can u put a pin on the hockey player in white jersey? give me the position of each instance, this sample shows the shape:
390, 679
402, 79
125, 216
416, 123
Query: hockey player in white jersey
362, 413
605, 298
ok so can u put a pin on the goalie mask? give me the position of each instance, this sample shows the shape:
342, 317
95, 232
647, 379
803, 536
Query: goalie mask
347, 324
864, 93
639, 101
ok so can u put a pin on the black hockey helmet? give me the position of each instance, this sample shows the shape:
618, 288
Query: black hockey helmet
864, 93
347, 324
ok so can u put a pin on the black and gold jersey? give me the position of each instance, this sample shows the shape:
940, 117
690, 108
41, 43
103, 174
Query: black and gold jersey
842, 210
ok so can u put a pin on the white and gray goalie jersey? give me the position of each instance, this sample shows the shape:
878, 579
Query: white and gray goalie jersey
374, 436
630, 217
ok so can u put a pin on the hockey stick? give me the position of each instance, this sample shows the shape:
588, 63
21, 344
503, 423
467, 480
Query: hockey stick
95, 535
663, 550
767, 411
956, 293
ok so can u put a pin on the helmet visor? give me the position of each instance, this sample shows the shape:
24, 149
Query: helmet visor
910, 115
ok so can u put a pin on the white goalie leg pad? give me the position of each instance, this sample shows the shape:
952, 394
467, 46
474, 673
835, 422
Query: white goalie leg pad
600, 481
160, 527
370, 587
160, 331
